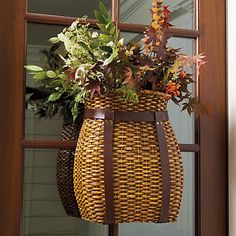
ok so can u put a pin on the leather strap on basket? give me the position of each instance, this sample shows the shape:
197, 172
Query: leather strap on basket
164, 168
109, 117
108, 166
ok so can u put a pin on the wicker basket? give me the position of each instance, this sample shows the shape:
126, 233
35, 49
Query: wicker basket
138, 177
65, 165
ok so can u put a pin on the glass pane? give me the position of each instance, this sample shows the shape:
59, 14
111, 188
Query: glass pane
66, 8
138, 12
44, 214
183, 124
36, 128
185, 225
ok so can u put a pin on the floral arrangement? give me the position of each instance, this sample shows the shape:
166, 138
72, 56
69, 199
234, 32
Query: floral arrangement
83, 63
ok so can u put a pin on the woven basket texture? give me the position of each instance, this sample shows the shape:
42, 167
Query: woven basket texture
137, 175
65, 165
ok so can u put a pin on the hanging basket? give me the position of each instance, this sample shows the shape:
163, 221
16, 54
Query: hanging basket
128, 166
65, 165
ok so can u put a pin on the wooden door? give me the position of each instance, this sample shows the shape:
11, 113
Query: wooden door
210, 142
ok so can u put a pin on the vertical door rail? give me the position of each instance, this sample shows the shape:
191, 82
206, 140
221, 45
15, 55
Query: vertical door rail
113, 228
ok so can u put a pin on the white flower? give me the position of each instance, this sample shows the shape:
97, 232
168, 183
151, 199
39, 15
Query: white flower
110, 44
61, 37
74, 25
81, 71
94, 34
121, 42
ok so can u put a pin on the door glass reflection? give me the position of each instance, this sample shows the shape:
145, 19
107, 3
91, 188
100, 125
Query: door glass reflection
138, 12
35, 127
44, 214
66, 7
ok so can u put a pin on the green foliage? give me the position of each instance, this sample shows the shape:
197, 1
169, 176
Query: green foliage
72, 64
54, 40
51, 74
34, 69
108, 29
82, 63
40, 75
129, 94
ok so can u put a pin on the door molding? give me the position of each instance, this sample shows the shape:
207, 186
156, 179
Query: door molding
212, 162
212, 192
12, 42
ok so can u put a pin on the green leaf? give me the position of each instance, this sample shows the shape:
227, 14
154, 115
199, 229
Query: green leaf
129, 94
55, 83
62, 76
106, 38
51, 74
74, 111
104, 10
83, 45
40, 75
103, 28
109, 26
65, 86
113, 30
94, 44
55, 96
175, 68
78, 98
33, 68
112, 57
54, 40
106, 49
99, 17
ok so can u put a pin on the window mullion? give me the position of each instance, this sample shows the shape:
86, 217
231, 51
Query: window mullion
116, 12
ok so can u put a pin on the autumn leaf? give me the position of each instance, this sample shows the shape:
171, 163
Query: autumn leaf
167, 12
190, 61
156, 25
166, 24
70, 74
94, 87
182, 74
167, 16
161, 52
173, 89
156, 17
199, 60
194, 105
128, 76
150, 35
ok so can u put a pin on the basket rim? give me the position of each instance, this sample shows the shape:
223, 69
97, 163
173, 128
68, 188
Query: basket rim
139, 92
153, 92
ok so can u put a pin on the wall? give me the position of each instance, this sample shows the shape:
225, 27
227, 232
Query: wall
232, 114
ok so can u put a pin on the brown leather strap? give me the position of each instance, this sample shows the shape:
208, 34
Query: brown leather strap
126, 115
108, 166
164, 169
109, 117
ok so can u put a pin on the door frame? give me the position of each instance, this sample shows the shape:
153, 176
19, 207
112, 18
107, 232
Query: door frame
211, 164
213, 171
